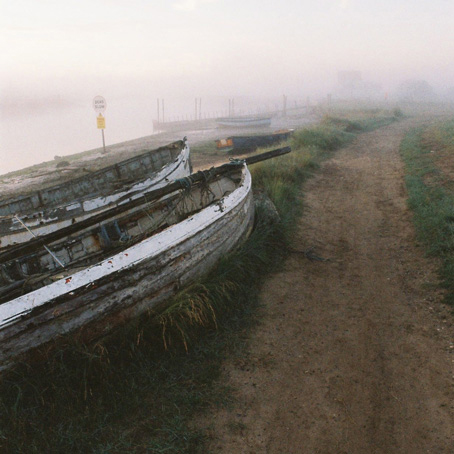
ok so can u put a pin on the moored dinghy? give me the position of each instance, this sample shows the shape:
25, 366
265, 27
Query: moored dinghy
123, 262
51, 208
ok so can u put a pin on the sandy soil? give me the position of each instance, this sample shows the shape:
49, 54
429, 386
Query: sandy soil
354, 353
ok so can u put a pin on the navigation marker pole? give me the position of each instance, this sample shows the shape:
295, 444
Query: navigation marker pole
103, 141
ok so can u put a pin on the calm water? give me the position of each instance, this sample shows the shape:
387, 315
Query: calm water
32, 135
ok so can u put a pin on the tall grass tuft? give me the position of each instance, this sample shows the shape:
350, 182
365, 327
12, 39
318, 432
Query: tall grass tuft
231, 286
323, 137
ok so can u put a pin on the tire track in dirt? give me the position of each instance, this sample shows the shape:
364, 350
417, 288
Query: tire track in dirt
354, 354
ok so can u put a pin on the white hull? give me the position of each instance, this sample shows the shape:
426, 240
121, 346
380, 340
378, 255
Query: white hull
100, 297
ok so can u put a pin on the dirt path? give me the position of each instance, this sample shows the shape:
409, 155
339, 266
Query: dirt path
354, 354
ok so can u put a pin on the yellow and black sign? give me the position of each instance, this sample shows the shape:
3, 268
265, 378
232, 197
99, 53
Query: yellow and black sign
101, 121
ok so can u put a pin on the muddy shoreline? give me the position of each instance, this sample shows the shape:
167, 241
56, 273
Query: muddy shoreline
49, 173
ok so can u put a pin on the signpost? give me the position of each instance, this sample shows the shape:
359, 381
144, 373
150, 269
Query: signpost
101, 122
100, 105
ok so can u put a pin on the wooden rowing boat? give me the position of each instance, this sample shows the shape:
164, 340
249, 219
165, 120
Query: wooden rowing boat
122, 262
52, 208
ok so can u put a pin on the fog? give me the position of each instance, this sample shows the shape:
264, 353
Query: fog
56, 56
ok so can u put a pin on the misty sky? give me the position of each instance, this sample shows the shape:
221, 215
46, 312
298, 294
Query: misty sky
220, 46
56, 55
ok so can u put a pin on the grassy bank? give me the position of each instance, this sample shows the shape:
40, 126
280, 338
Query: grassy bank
368, 123
139, 391
428, 154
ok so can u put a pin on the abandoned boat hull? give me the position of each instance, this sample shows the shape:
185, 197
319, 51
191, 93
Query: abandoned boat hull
159, 167
91, 302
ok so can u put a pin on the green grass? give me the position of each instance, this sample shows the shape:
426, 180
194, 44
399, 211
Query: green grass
139, 391
431, 201
324, 137
369, 123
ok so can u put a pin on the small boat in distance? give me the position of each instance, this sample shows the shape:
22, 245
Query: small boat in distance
241, 144
122, 262
243, 122
51, 208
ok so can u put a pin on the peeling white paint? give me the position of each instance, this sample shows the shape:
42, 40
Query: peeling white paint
74, 206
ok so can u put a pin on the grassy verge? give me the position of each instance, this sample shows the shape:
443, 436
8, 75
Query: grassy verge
369, 123
426, 152
131, 394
